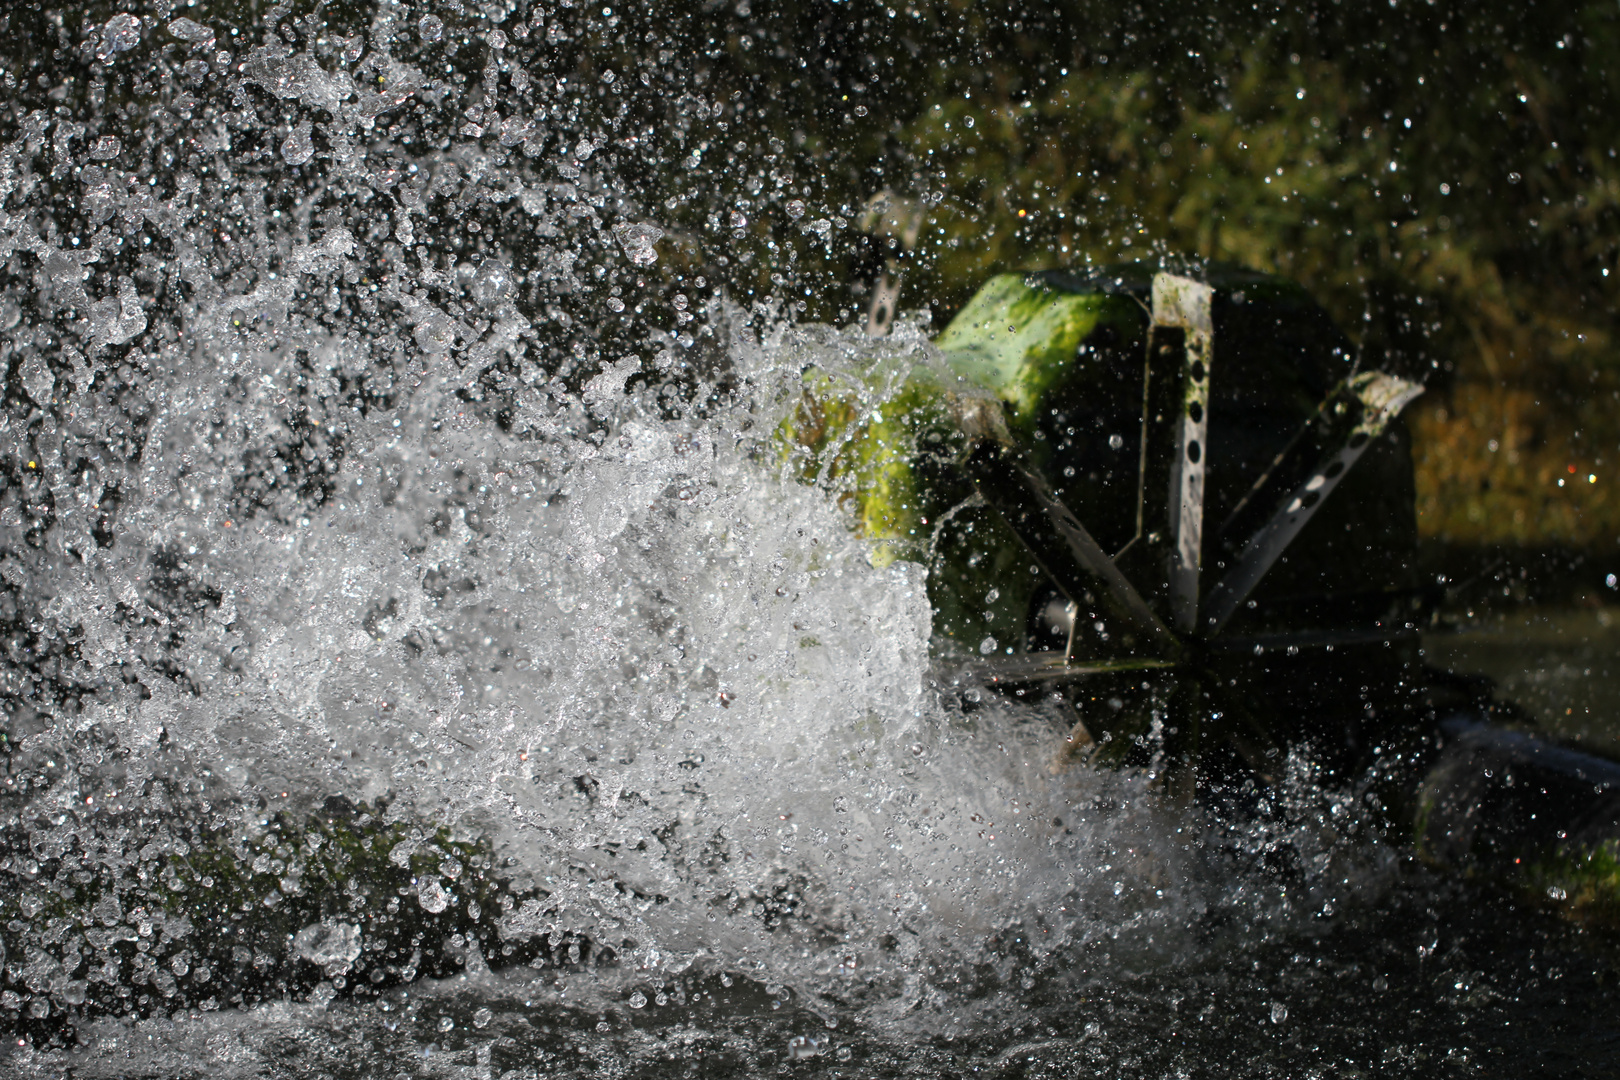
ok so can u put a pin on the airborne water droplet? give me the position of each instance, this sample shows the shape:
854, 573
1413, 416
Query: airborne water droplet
194, 32
300, 146
431, 27
431, 895
435, 334
123, 33
328, 943
638, 241
492, 284
515, 129
106, 148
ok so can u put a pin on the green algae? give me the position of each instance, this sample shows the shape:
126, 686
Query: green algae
890, 450
1581, 883
1018, 338
214, 915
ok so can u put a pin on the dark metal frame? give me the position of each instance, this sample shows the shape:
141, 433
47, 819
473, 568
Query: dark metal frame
1174, 454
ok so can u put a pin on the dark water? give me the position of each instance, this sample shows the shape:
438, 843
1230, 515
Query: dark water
1558, 664
1439, 979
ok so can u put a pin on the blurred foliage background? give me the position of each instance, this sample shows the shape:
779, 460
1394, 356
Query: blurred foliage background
1443, 175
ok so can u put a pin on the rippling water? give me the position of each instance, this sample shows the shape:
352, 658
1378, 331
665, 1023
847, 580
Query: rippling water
399, 583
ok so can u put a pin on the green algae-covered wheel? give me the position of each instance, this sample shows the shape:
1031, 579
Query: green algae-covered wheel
1134, 470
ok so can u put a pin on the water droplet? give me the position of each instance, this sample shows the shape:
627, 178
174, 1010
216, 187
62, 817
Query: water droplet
638, 241
431, 895
435, 334
515, 129
106, 148
987, 646
795, 209
194, 32
482, 1017
1279, 1012
739, 220
353, 49
117, 321
123, 33
445, 1023
803, 1046
492, 284
328, 943
299, 147
637, 1000
615, 304
431, 27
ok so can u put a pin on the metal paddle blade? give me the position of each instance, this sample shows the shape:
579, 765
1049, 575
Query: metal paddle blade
1062, 547
1305, 473
1053, 667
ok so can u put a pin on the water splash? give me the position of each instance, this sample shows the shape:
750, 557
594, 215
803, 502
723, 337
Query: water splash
638, 240
326, 484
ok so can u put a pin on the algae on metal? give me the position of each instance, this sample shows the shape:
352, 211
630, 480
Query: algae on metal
894, 465
1018, 338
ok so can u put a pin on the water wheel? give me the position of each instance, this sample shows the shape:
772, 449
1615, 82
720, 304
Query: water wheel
1174, 501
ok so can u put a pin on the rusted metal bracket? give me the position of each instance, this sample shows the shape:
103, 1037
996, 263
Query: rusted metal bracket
1184, 304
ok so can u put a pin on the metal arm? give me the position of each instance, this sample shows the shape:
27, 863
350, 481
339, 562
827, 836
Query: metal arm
1358, 413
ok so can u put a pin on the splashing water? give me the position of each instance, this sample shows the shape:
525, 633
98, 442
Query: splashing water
638, 241
327, 493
